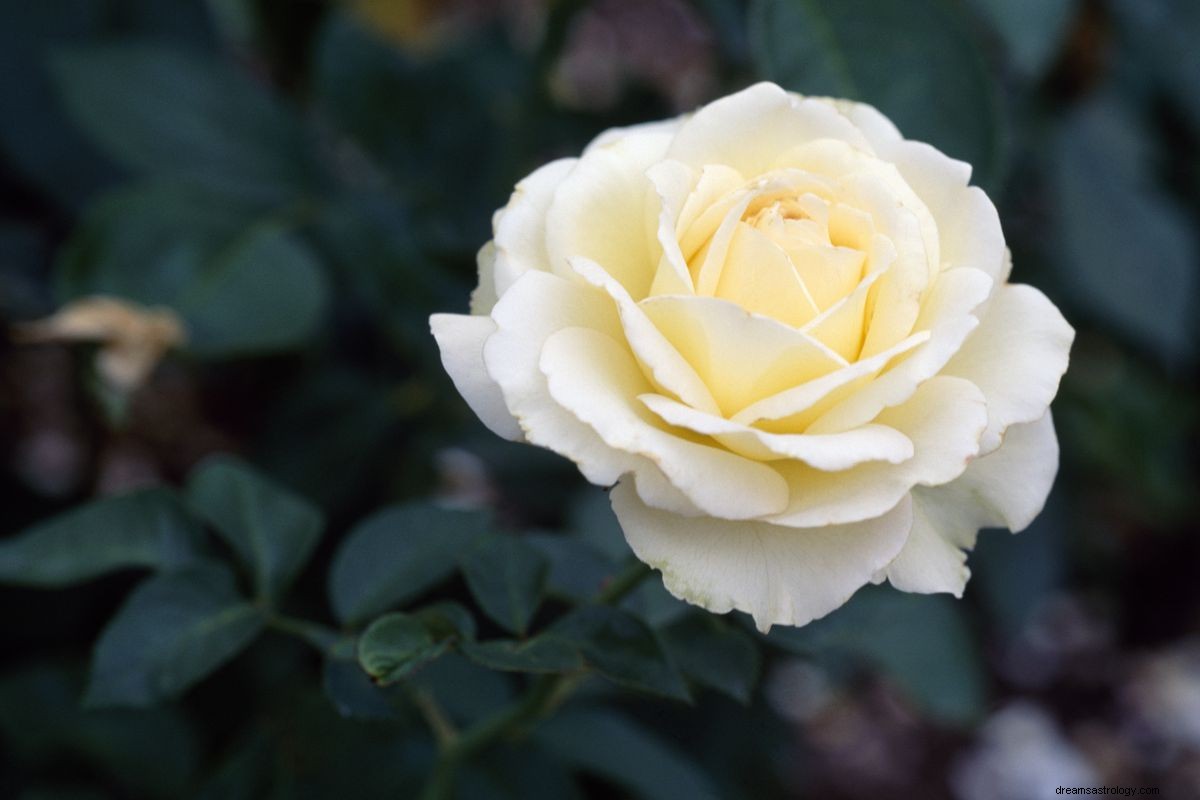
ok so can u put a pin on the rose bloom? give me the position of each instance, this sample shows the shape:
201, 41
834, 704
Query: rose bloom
786, 334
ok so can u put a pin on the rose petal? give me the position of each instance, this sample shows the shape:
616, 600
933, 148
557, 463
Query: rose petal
741, 357
601, 211
1006, 488
750, 129
778, 575
1017, 356
944, 419
594, 377
460, 338
832, 452
666, 366
520, 227
947, 315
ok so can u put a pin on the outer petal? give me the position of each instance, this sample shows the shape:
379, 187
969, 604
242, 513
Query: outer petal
749, 130
1017, 356
460, 338
520, 227
944, 418
603, 210
595, 378
779, 575
1006, 488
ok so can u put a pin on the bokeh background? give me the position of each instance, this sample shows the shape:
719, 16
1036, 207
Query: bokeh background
304, 182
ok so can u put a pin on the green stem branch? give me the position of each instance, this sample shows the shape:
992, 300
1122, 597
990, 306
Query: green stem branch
544, 695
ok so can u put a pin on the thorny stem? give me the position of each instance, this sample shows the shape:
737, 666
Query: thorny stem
544, 695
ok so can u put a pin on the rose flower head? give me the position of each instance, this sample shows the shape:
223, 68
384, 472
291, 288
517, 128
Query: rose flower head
785, 333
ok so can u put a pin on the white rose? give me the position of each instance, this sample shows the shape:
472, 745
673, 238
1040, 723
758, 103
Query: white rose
785, 333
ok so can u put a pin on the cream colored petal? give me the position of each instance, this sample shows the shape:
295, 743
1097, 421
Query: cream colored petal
658, 357
759, 277
841, 326
538, 305
750, 129
794, 409
778, 575
673, 184
944, 419
603, 210
460, 338
878, 129
595, 378
1017, 356
484, 297
1006, 488
947, 315
741, 357
833, 452
656, 133
520, 227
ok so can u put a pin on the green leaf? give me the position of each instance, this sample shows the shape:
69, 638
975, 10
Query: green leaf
447, 620
148, 753
147, 528
577, 569
353, 693
1032, 30
622, 648
164, 110
507, 577
613, 747
241, 283
396, 555
396, 644
1129, 251
173, 630
272, 530
714, 653
922, 642
917, 61
543, 653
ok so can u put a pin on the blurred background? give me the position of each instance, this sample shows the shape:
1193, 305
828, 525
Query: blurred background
303, 182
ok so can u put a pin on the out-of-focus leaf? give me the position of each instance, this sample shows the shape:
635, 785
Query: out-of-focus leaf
506, 576
152, 752
148, 528
428, 155
577, 569
39, 141
654, 604
164, 110
1014, 575
353, 693
622, 648
611, 746
519, 772
917, 61
466, 691
240, 287
1164, 35
921, 642
1128, 251
272, 530
446, 621
173, 630
396, 644
243, 775
1032, 30
715, 654
543, 653
591, 518
397, 554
